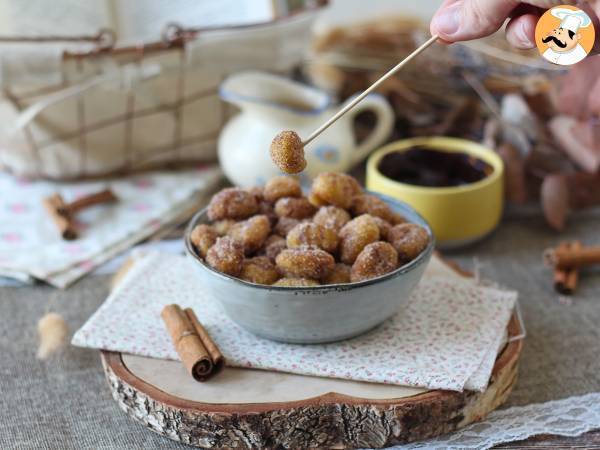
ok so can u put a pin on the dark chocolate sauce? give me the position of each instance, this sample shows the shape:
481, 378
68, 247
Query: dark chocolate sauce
423, 166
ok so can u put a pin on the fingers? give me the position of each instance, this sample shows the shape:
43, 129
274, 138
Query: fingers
520, 31
462, 20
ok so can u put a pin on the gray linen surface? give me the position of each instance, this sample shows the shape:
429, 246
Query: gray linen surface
65, 404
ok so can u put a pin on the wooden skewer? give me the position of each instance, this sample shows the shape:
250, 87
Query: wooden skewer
370, 89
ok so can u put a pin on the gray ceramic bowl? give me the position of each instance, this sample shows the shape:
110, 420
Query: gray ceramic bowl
311, 315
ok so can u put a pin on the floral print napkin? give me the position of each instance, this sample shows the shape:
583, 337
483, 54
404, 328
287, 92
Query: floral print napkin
447, 338
30, 245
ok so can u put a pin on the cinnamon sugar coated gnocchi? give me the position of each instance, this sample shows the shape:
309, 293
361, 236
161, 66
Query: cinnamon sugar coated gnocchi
287, 152
409, 239
305, 262
375, 260
296, 208
274, 245
340, 274
260, 270
226, 255
277, 235
337, 189
370, 204
356, 235
280, 187
203, 237
251, 233
232, 203
332, 217
312, 235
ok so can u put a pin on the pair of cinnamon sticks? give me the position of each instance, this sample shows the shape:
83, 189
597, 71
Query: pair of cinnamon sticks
63, 213
198, 352
566, 260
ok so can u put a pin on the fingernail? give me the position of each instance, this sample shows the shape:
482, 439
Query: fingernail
523, 36
448, 21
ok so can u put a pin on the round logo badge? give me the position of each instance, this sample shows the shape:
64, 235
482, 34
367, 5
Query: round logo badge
564, 35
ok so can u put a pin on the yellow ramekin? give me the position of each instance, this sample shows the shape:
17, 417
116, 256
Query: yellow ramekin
458, 215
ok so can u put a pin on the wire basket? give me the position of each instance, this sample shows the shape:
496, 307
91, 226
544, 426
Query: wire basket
113, 110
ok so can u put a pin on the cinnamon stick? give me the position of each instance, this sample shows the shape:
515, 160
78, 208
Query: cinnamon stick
565, 280
197, 351
105, 196
572, 258
64, 223
573, 273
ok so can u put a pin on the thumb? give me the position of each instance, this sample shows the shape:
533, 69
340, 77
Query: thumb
462, 20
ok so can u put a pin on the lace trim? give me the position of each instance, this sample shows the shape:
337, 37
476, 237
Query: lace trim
571, 416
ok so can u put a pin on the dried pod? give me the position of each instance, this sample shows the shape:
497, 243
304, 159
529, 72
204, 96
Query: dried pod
515, 186
555, 200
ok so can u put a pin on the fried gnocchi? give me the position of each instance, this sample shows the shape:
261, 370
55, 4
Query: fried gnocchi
305, 262
280, 187
312, 235
232, 203
356, 235
251, 233
409, 239
274, 245
373, 205
226, 256
287, 152
296, 208
203, 237
260, 270
340, 274
275, 235
375, 260
337, 189
332, 217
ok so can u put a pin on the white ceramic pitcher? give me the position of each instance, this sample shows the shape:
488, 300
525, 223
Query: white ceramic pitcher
270, 104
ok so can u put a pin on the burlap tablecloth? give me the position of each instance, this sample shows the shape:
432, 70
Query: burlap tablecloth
65, 403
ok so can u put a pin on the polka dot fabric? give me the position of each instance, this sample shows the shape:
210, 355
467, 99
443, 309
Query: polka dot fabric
447, 338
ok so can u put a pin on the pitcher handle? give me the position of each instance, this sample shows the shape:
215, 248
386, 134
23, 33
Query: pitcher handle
385, 123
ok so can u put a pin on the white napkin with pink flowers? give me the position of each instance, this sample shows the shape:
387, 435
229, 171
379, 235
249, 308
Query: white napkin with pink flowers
447, 338
30, 246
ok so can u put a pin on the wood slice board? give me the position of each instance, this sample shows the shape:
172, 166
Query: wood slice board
247, 408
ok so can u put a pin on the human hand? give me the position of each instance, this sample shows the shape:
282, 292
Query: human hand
463, 20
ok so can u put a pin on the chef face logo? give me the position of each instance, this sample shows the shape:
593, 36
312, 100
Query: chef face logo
564, 35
